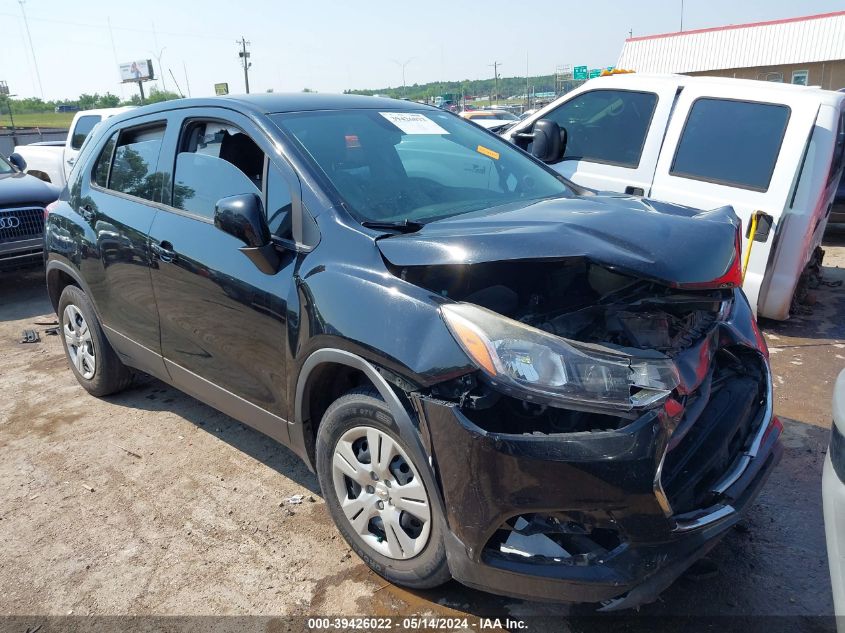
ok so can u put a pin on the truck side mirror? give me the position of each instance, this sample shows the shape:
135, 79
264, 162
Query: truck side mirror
547, 139
547, 144
242, 217
18, 161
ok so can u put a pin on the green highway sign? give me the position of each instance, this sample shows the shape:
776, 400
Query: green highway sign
595, 72
579, 72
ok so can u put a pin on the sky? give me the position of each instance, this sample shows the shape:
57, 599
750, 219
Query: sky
332, 45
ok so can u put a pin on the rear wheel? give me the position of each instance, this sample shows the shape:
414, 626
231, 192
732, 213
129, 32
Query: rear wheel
93, 361
377, 494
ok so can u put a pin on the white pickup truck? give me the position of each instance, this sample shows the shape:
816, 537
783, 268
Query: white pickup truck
52, 160
772, 151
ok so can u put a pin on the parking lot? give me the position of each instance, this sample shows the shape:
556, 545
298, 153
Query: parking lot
150, 502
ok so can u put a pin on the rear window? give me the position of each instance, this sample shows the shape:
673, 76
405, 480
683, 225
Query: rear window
733, 143
83, 128
133, 169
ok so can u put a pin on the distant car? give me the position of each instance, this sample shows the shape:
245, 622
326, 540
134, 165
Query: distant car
833, 494
23, 199
490, 119
488, 114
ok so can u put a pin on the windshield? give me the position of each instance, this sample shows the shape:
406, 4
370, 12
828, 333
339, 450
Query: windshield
417, 166
5, 167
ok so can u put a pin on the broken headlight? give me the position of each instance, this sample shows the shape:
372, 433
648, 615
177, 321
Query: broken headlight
541, 366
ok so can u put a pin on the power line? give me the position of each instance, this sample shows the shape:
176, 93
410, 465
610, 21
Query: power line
89, 25
32, 49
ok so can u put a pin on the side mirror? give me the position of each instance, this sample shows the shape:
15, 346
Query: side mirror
18, 161
548, 141
242, 217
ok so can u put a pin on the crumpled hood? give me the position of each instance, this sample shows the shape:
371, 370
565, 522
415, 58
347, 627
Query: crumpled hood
660, 241
21, 188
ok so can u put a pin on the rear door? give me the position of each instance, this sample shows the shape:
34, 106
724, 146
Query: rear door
614, 135
118, 200
223, 321
736, 149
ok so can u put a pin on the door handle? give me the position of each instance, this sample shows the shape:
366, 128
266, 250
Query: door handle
164, 251
71, 161
87, 212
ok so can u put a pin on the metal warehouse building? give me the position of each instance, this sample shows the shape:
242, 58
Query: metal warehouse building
807, 50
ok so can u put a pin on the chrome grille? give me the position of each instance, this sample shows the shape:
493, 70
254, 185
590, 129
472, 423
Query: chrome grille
21, 224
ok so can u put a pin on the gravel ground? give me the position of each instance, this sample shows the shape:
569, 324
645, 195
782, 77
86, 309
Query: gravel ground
150, 502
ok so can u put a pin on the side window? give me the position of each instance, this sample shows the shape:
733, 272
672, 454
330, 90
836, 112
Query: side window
135, 159
728, 142
100, 174
215, 160
83, 128
606, 126
279, 204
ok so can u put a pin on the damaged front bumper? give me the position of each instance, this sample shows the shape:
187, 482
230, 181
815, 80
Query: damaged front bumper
608, 516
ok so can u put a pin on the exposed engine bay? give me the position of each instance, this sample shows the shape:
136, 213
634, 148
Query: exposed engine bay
578, 300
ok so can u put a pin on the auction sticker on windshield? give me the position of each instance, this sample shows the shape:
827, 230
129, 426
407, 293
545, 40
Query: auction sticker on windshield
413, 123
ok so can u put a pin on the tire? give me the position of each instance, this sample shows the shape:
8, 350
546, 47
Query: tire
86, 346
416, 558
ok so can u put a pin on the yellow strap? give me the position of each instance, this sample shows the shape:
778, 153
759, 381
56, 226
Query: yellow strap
754, 218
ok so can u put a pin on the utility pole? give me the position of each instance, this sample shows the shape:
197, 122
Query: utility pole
160, 67
403, 64
244, 55
32, 49
682, 15
187, 83
495, 66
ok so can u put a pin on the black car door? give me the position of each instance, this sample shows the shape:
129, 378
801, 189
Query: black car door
117, 197
223, 321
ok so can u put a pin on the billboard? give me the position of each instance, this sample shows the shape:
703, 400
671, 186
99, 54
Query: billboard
139, 70
221, 89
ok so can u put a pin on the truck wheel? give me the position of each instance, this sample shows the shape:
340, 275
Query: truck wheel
92, 359
377, 495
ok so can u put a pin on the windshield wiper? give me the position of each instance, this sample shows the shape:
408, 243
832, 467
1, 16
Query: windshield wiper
402, 226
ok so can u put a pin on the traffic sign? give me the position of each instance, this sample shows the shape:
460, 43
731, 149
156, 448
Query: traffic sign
594, 72
579, 73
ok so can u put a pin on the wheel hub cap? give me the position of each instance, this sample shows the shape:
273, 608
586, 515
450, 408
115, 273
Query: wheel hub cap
381, 493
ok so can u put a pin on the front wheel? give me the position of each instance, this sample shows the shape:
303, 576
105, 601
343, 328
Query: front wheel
377, 494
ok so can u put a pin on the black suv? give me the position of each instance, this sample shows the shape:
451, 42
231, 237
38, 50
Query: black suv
23, 199
497, 376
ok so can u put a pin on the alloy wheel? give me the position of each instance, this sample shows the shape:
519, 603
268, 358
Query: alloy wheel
80, 345
381, 493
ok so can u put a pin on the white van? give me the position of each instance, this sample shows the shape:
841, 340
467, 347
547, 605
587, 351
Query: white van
772, 151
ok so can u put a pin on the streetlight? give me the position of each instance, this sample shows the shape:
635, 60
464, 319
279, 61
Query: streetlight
160, 69
403, 64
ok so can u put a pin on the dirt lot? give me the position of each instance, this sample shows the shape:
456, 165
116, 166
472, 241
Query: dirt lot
150, 502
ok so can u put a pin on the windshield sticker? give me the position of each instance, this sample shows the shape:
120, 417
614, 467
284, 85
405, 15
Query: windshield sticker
487, 152
413, 123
